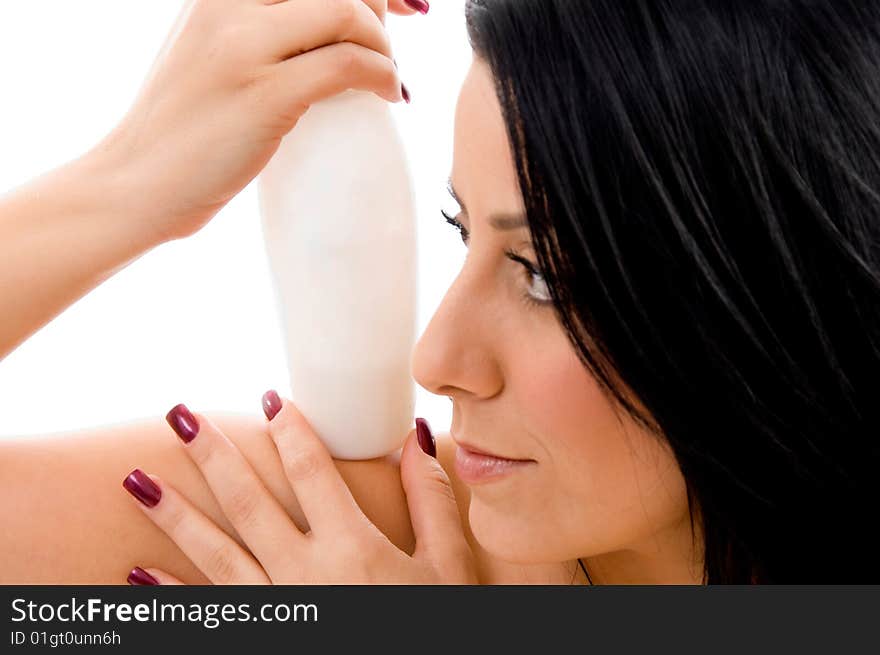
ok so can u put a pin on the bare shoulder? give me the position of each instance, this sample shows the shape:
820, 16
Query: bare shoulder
67, 519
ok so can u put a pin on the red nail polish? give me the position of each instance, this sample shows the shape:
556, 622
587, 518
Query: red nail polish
183, 423
139, 485
419, 5
140, 577
271, 404
405, 92
426, 439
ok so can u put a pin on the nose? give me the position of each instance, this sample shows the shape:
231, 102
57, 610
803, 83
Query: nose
458, 353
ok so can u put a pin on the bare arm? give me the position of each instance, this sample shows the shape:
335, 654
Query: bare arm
67, 519
61, 235
166, 170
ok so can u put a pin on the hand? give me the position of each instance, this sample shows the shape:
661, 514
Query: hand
342, 546
231, 80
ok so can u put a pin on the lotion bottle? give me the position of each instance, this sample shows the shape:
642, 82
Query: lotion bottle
339, 222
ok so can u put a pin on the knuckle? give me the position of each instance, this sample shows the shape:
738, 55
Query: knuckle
241, 505
232, 35
230, 46
386, 47
202, 453
237, 45
221, 564
445, 490
303, 464
438, 481
346, 13
348, 59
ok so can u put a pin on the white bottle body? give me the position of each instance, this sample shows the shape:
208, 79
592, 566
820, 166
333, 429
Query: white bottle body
339, 223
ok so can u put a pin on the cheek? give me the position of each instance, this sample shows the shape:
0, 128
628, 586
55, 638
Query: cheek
615, 485
602, 482
573, 423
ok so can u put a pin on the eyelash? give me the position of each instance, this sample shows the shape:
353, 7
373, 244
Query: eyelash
526, 296
454, 222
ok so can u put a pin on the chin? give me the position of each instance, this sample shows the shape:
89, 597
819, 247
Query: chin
518, 539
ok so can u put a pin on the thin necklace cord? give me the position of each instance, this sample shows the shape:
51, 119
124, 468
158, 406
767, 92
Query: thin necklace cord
584, 569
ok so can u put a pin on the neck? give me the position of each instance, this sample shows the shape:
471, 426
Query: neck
667, 557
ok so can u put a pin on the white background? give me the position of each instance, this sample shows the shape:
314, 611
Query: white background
193, 321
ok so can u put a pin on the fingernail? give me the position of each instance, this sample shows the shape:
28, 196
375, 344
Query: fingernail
418, 5
139, 485
183, 422
405, 92
271, 404
140, 577
426, 439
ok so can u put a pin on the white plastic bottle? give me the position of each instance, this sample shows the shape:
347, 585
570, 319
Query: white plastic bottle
339, 222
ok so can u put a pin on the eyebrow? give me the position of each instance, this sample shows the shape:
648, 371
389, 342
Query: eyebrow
498, 221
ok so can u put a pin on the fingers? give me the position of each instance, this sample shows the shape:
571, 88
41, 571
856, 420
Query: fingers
325, 47
323, 495
257, 516
432, 507
151, 577
301, 81
304, 25
214, 552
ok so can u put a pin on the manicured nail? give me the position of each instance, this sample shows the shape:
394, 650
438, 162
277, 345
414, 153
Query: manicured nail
183, 422
271, 404
140, 577
426, 439
418, 5
139, 485
405, 92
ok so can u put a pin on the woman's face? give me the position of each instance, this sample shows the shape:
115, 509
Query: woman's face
586, 481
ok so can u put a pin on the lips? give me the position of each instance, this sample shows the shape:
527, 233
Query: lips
475, 466
482, 451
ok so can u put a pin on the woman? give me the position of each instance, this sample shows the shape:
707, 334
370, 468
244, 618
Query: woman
661, 349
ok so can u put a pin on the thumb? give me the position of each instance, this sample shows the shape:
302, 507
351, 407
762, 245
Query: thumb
432, 507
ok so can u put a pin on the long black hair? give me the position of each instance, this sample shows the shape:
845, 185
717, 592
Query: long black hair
702, 184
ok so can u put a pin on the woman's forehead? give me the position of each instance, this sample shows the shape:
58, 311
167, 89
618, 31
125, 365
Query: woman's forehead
482, 157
